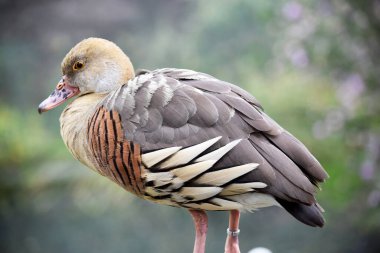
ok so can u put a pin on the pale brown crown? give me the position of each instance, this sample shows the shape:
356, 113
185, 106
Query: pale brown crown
99, 57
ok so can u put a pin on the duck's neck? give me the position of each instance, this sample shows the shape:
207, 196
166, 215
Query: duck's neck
74, 120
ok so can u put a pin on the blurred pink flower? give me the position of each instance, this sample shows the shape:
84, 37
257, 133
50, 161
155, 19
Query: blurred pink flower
299, 58
367, 170
350, 91
292, 10
374, 198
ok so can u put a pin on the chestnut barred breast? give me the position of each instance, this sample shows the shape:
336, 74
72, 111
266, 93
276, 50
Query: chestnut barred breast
115, 156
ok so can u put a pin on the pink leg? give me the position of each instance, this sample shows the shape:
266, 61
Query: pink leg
200, 223
232, 241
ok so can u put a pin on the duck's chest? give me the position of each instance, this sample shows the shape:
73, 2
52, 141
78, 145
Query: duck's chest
95, 137
73, 130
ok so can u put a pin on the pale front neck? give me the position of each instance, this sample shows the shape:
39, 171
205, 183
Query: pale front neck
74, 120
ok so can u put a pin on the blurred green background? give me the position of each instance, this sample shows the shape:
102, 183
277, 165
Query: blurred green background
314, 65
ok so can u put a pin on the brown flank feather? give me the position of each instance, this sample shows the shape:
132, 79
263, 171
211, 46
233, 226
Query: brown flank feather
116, 158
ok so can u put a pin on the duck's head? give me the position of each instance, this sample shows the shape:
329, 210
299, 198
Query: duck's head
93, 65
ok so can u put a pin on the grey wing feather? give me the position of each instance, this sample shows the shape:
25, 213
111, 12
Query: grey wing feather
216, 86
294, 149
176, 113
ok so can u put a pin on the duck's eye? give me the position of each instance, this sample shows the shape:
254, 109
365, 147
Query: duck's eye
78, 65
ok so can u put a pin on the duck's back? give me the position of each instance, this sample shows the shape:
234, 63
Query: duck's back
185, 138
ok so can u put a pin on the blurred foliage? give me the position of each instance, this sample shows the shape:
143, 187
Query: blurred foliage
312, 64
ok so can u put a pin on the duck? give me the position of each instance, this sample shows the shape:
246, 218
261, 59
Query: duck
182, 138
